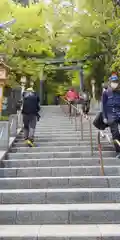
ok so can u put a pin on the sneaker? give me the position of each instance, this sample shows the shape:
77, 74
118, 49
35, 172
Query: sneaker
118, 156
30, 143
26, 140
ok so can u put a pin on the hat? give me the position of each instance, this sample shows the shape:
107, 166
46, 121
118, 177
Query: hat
113, 78
30, 89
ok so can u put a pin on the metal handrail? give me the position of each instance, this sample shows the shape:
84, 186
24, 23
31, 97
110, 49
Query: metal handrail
100, 153
81, 122
103, 135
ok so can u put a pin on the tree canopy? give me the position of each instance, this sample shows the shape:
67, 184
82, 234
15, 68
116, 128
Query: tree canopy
74, 29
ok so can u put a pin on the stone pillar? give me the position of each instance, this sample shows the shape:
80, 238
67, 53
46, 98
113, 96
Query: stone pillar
13, 121
4, 135
42, 79
81, 79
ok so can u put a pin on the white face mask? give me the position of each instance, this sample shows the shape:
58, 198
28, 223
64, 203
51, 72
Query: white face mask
114, 85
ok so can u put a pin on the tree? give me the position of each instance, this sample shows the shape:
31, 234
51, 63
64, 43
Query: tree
25, 36
94, 32
74, 29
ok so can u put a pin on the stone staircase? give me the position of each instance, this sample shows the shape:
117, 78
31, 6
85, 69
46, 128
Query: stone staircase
55, 190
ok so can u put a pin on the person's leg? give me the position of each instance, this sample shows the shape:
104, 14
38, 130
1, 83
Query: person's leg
70, 108
83, 108
32, 126
26, 126
87, 108
115, 135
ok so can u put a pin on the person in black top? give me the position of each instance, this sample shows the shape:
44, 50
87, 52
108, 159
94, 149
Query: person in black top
86, 102
30, 111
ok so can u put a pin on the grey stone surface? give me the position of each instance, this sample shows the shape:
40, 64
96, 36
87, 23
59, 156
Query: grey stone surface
6, 172
48, 183
34, 172
7, 217
68, 197
49, 173
22, 198
13, 120
59, 162
9, 183
114, 182
50, 149
42, 217
4, 135
60, 214
20, 163
56, 171
59, 232
87, 182
51, 196
19, 238
94, 217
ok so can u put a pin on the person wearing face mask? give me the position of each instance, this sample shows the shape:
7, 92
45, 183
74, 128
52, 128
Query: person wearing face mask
111, 109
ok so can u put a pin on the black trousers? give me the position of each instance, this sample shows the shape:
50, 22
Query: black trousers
114, 127
70, 107
86, 107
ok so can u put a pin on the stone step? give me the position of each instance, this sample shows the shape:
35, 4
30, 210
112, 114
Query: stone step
27, 149
62, 135
64, 195
59, 171
69, 142
61, 232
59, 138
62, 129
68, 154
33, 214
58, 162
70, 129
61, 123
39, 148
44, 144
60, 182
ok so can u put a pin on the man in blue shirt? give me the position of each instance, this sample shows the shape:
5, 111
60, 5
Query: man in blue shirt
111, 109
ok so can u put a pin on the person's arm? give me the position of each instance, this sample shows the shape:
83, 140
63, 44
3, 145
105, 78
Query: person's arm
38, 103
66, 96
104, 104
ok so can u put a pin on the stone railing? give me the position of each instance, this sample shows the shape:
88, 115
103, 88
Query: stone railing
9, 130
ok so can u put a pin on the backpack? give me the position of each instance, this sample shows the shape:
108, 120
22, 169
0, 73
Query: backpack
98, 122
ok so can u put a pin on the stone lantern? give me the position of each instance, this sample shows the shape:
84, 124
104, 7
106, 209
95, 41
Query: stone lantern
3, 78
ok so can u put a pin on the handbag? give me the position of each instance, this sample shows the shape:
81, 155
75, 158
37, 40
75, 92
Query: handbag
98, 122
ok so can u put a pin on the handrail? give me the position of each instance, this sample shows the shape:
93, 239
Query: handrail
81, 122
100, 134
100, 153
